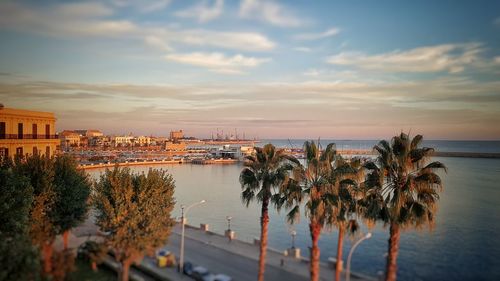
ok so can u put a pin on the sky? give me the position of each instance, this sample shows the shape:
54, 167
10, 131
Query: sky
269, 69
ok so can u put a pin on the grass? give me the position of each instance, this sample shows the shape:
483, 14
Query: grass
85, 273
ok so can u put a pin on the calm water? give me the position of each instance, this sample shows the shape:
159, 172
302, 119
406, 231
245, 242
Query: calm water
439, 145
463, 246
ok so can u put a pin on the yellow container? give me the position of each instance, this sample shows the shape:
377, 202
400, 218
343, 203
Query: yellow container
162, 261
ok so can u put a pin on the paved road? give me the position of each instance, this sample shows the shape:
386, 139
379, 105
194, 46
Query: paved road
217, 260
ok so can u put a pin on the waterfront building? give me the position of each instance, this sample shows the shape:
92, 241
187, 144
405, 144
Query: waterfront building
142, 141
176, 135
26, 132
121, 141
69, 138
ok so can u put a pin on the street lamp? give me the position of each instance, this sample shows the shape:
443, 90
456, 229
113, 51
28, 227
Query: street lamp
293, 233
228, 218
184, 211
348, 270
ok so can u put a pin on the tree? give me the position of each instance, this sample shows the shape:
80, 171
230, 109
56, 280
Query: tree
263, 172
134, 211
401, 189
39, 170
347, 174
322, 183
19, 260
72, 188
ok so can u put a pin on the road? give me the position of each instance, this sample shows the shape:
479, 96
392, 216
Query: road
217, 260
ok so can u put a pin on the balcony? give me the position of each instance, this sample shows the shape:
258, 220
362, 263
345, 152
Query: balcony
27, 137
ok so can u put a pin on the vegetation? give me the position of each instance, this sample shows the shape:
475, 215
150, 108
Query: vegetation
38, 194
134, 212
323, 181
18, 258
401, 190
72, 188
262, 174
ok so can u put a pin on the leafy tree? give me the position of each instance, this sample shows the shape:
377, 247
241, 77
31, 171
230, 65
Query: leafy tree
18, 258
134, 211
95, 252
40, 172
263, 172
401, 189
72, 189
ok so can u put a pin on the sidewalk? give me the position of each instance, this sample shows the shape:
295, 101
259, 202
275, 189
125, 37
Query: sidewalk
274, 257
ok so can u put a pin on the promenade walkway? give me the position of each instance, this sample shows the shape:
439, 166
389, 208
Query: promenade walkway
219, 254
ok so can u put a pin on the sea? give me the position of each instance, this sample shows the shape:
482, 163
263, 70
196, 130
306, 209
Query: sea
464, 244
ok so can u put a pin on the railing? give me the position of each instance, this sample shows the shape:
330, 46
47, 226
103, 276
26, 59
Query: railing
27, 137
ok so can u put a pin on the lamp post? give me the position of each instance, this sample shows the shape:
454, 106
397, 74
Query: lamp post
228, 218
348, 270
184, 211
293, 233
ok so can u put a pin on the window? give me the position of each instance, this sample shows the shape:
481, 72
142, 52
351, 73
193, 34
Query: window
19, 151
47, 131
47, 151
2, 130
20, 130
35, 131
4, 152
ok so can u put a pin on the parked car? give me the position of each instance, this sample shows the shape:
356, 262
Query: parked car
222, 277
187, 268
200, 273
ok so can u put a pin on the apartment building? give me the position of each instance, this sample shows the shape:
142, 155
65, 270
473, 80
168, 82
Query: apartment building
26, 132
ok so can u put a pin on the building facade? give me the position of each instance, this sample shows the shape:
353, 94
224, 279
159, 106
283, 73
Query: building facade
26, 132
176, 135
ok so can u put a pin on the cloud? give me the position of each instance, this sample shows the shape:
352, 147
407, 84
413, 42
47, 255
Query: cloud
302, 49
452, 58
144, 6
203, 12
453, 107
94, 19
218, 62
314, 36
496, 22
270, 12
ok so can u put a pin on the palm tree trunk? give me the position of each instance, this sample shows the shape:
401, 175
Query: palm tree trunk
315, 230
264, 221
66, 239
340, 244
391, 268
47, 258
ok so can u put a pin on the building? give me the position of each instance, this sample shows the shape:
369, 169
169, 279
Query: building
69, 138
142, 141
119, 141
26, 132
176, 135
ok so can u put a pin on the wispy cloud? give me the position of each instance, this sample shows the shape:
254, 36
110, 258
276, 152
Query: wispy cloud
218, 62
203, 12
451, 58
144, 6
496, 22
315, 36
269, 11
92, 19
302, 49
447, 107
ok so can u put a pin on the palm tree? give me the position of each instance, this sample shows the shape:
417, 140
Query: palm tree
319, 182
347, 174
262, 174
401, 189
